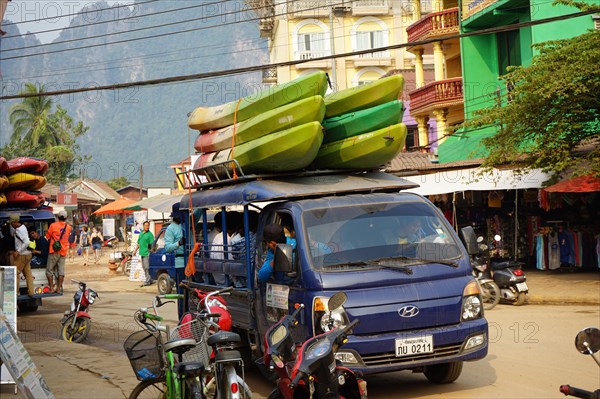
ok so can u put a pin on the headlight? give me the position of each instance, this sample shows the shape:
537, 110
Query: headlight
332, 320
471, 305
322, 317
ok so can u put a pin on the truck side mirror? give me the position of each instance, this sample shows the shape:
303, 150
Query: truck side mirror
283, 258
470, 240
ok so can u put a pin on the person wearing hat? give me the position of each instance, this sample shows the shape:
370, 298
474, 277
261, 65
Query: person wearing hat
58, 231
22, 254
272, 235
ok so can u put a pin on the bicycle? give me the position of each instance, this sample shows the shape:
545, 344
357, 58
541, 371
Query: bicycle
125, 263
159, 366
224, 382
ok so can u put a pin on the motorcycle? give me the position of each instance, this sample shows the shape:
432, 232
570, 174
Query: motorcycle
110, 241
311, 370
587, 342
125, 261
507, 274
77, 322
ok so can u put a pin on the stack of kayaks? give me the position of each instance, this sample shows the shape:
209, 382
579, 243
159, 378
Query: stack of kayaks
20, 180
276, 130
362, 126
281, 128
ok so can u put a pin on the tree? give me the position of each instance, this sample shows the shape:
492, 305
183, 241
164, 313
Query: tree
552, 120
37, 132
118, 182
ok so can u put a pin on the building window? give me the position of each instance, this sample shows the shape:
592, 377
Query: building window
509, 50
311, 41
369, 40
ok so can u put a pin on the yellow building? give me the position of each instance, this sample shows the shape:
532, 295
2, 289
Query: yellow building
306, 30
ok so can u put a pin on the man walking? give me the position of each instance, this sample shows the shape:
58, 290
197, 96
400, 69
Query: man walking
58, 232
144, 243
22, 254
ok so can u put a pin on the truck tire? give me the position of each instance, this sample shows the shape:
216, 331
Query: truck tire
164, 284
27, 308
444, 373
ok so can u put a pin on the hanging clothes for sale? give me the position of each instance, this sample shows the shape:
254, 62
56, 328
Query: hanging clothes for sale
540, 253
553, 251
564, 246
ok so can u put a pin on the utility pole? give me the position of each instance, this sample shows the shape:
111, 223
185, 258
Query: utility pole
141, 179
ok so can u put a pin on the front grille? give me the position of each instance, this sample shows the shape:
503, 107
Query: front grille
389, 358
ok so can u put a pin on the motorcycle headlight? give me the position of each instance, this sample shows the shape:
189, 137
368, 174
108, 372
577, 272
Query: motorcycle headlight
91, 296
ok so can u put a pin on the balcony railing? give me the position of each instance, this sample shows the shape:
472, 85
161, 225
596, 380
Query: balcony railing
324, 7
434, 24
439, 93
269, 75
309, 55
377, 54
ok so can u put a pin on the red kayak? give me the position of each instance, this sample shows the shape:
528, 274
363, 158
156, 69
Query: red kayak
29, 165
3, 165
24, 199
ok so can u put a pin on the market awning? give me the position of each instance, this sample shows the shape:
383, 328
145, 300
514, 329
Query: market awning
474, 179
115, 207
161, 203
580, 184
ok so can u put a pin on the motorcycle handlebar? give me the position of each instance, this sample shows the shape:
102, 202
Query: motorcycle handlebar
579, 393
296, 380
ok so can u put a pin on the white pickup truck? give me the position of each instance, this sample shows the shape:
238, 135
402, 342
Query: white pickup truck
41, 218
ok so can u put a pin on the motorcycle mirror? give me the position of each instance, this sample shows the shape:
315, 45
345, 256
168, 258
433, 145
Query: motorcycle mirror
336, 301
497, 238
587, 341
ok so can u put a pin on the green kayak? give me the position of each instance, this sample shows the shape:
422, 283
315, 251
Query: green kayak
284, 151
364, 151
366, 120
206, 118
365, 96
290, 115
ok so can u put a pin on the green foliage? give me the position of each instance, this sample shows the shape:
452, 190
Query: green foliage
552, 121
118, 182
39, 132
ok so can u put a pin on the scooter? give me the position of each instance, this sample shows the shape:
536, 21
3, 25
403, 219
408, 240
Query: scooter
507, 274
490, 292
311, 370
110, 241
77, 322
587, 342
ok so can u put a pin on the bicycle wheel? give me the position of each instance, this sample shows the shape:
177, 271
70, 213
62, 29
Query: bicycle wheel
490, 294
155, 388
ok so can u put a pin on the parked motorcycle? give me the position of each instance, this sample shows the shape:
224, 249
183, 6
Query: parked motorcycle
110, 241
587, 342
490, 292
311, 370
77, 322
507, 274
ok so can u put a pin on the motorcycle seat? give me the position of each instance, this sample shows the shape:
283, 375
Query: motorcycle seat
223, 337
189, 369
504, 264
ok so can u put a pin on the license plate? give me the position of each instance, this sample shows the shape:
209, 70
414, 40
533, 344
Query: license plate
414, 345
521, 287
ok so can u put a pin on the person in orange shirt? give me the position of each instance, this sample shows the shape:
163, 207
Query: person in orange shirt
58, 231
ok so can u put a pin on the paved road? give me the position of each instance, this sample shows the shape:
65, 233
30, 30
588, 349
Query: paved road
531, 349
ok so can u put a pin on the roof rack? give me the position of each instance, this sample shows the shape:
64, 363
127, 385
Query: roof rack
222, 173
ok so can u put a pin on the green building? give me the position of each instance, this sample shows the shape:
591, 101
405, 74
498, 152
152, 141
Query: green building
484, 58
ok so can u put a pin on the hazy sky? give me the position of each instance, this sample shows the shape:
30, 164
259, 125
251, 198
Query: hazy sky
29, 10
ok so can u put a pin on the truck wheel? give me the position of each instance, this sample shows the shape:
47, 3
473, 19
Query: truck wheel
78, 332
444, 373
164, 284
27, 308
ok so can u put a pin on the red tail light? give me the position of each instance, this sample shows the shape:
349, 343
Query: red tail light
518, 272
46, 290
234, 387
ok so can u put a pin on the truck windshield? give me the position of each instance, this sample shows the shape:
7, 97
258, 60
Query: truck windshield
384, 235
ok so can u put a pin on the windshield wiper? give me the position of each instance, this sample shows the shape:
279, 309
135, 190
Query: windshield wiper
417, 260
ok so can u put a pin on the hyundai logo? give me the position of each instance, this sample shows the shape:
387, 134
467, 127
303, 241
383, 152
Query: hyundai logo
408, 311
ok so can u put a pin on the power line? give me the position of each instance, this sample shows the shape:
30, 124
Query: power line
167, 34
77, 13
236, 71
121, 32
